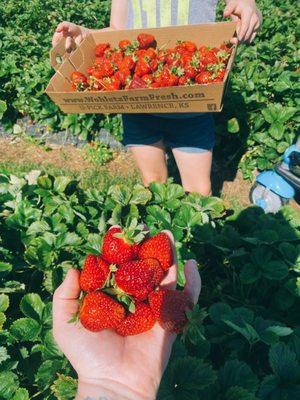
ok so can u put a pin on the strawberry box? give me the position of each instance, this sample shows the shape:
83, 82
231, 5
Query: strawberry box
174, 99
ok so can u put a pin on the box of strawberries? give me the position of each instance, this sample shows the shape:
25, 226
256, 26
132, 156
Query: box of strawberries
174, 69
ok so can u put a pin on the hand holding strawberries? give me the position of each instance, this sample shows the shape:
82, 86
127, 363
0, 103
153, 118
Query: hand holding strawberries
107, 363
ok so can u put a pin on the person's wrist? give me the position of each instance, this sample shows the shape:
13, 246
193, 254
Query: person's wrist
110, 390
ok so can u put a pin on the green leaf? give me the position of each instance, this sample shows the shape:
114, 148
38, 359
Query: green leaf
8, 385
60, 183
250, 273
288, 251
140, 195
187, 217
64, 388
21, 394
233, 125
293, 286
247, 331
261, 255
2, 320
237, 373
38, 227
275, 270
281, 147
277, 113
3, 354
185, 377
4, 302
269, 385
94, 244
51, 349
280, 330
239, 393
284, 363
3, 108
157, 215
47, 372
5, 267
121, 194
25, 329
32, 306
218, 312
45, 182
277, 130
67, 239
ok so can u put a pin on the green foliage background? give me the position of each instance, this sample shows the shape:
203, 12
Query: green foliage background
259, 121
249, 344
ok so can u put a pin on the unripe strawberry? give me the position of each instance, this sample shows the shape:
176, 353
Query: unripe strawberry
99, 311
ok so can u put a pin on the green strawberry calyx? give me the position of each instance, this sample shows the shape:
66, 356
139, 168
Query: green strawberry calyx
133, 233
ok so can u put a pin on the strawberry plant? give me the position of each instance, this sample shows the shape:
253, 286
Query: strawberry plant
245, 342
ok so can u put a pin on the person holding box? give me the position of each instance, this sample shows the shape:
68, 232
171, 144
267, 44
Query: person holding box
191, 137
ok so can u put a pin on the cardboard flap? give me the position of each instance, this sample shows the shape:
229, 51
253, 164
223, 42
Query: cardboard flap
210, 34
58, 54
82, 56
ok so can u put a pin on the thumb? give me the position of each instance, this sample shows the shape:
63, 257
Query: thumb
229, 9
65, 299
193, 280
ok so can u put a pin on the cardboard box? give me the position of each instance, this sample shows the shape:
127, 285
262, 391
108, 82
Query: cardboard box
194, 98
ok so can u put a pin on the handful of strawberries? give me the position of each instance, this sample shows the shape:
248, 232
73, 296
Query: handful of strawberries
121, 286
139, 64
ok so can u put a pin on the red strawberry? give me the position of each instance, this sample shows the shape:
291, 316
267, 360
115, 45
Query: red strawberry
148, 79
115, 249
158, 247
142, 320
128, 63
135, 278
145, 41
124, 44
136, 249
137, 83
158, 272
204, 77
94, 273
123, 75
101, 48
99, 311
169, 308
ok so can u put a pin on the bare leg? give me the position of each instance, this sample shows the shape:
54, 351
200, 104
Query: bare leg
151, 161
195, 169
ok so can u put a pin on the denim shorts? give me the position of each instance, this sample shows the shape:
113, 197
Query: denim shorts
190, 133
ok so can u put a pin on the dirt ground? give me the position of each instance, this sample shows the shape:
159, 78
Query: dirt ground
70, 158
67, 158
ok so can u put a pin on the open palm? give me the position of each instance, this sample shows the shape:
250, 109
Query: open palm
132, 364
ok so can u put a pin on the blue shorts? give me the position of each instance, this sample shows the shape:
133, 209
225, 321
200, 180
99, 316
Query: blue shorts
190, 134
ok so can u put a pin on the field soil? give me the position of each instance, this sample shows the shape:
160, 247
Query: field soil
22, 153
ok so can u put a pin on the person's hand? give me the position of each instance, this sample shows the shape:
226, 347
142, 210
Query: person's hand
71, 32
108, 365
248, 18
